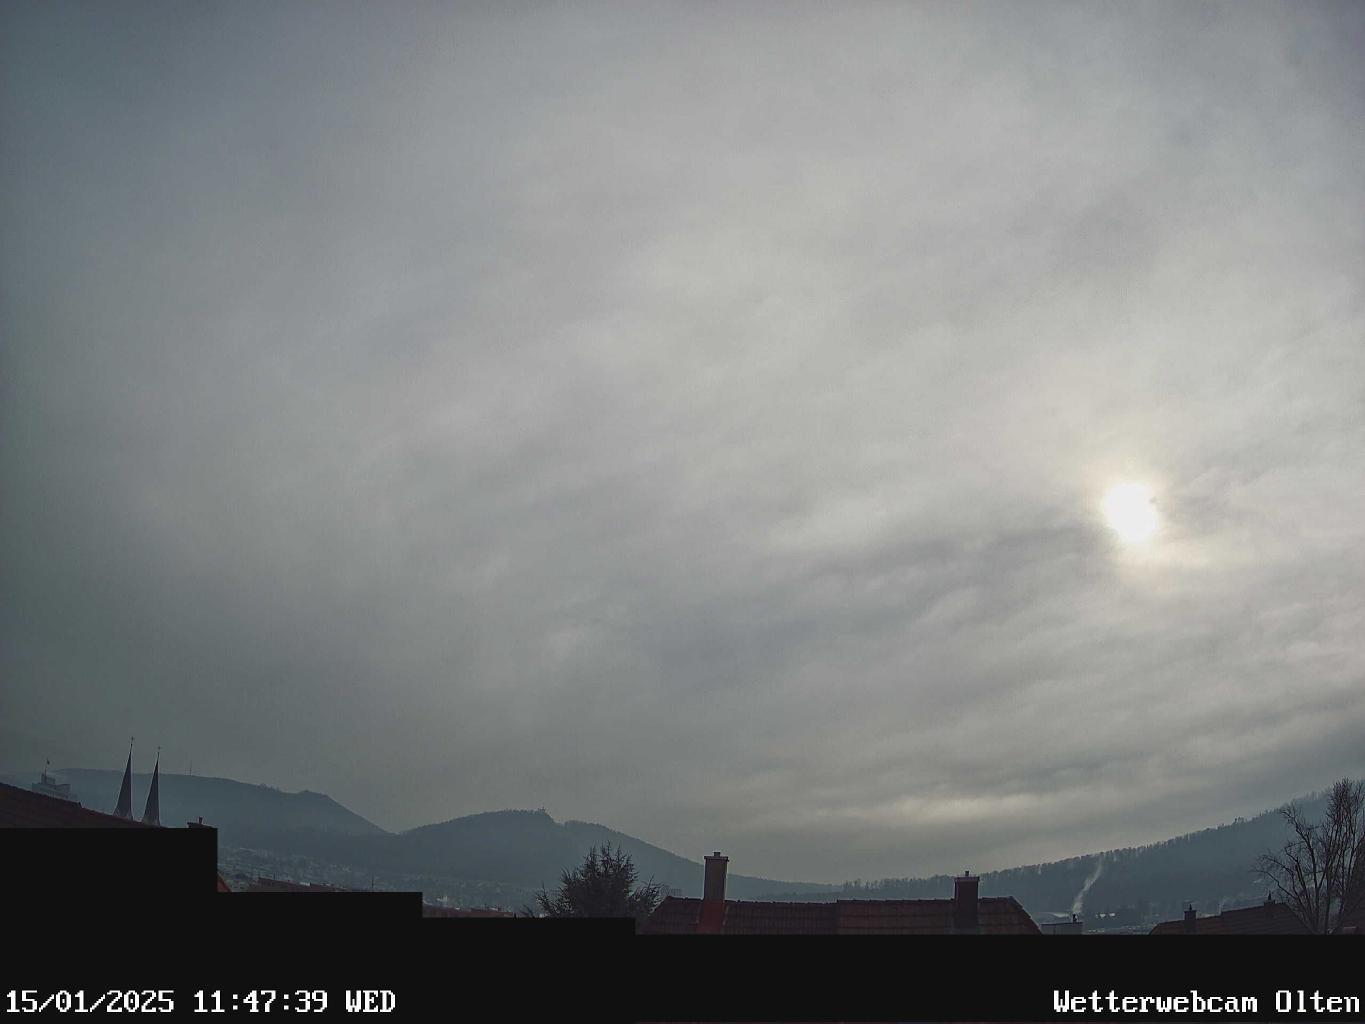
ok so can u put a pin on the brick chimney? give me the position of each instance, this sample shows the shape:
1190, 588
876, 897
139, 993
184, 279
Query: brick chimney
712, 917
965, 916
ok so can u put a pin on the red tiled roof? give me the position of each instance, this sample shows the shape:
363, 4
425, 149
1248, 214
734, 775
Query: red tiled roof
997, 915
1266, 919
23, 808
756, 918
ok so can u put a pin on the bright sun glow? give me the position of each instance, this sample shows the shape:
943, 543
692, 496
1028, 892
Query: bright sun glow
1129, 510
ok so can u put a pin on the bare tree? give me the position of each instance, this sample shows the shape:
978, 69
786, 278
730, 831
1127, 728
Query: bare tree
1320, 871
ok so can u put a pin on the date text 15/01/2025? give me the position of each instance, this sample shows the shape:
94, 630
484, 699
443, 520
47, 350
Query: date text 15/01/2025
261, 1000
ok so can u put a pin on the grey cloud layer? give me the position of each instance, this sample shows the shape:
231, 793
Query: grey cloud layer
693, 420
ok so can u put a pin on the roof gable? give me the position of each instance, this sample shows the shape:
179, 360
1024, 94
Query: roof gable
23, 808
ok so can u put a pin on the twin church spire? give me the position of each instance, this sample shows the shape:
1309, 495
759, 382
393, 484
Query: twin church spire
151, 814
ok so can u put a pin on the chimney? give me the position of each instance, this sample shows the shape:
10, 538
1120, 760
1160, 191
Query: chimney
965, 916
712, 917
1189, 919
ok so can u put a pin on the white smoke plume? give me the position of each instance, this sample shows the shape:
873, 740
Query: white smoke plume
1079, 901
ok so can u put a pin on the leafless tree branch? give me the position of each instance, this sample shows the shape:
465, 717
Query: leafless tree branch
1320, 871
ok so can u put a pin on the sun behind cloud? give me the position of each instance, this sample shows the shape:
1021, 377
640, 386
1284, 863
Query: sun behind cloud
1130, 512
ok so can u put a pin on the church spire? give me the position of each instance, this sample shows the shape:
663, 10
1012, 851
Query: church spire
125, 793
152, 814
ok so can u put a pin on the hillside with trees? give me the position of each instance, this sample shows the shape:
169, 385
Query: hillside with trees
1214, 869
524, 848
238, 810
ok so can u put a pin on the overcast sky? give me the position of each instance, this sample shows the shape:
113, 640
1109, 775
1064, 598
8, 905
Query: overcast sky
691, 418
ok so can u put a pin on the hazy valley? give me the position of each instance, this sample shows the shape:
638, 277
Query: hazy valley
500, 858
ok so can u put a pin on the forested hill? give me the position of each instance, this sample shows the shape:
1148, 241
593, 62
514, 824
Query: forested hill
523, 849
530, 848
1211, 868
231, 806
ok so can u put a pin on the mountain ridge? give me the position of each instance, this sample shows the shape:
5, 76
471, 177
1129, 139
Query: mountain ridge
528, 849
225, 803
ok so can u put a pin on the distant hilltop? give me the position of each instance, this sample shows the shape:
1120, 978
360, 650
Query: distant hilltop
232, 807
